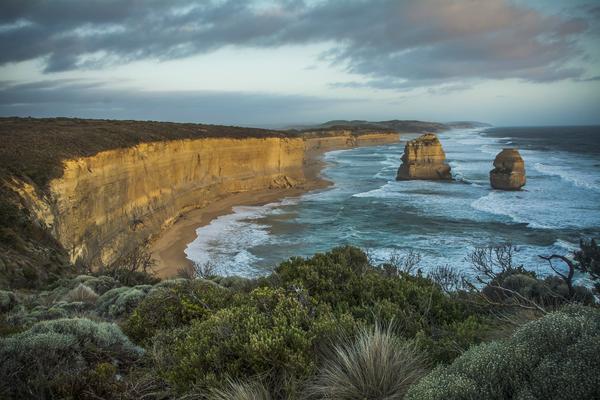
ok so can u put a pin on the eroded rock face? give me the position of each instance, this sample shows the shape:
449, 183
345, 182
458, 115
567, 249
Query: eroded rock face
107, 204
424, 159
509, 171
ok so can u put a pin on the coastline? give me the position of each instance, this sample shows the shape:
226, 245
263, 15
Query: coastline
168, 248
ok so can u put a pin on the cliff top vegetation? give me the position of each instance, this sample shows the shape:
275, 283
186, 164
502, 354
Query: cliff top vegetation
332, 326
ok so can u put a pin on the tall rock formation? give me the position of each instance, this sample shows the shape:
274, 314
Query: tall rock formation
424, 159
509, 170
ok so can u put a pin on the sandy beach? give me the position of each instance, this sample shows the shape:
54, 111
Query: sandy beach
168, 248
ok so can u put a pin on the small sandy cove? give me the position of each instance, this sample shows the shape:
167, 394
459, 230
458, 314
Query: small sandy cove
168, 248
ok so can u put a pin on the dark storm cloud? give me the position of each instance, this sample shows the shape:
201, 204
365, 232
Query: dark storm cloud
69, 97
392, 43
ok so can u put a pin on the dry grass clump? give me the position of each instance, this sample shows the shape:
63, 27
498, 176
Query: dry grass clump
235, 390
375, 364
82, 293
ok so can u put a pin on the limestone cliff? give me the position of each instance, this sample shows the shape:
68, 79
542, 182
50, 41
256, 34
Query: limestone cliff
424, 159
106, 204
509, 170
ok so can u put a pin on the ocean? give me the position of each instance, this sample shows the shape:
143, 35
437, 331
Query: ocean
442, 221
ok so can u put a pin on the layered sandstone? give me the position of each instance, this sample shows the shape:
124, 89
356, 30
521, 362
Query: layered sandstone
424, 159
104, 205
509, 171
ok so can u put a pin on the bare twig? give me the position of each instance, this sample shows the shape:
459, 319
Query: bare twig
568, 278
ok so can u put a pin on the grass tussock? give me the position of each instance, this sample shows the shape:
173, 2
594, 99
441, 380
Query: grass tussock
375, 364
82, 293
236, 390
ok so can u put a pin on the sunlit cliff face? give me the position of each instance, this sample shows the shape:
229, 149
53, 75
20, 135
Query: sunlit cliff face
285, 62
107, 204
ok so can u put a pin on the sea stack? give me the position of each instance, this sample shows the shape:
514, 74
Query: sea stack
424, 159
509, 171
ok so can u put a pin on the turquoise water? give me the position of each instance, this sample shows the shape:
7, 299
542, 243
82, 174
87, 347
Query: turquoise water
442, 221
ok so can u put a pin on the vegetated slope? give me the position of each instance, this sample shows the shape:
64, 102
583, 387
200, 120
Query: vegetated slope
467, 124
332, 326
34, 148
402, 126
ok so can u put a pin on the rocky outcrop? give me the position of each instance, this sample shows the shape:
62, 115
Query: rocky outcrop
509, 171
424, 159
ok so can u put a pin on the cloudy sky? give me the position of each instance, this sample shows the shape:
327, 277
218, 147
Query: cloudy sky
276, 63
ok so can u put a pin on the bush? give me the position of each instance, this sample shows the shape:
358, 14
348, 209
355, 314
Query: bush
237, 283
127, 277
173, 304
554, 357
48, 360
450, 340
549, 292
23, 318
344, 280
274, 334
99, 284
374, 365
121, 301
82, 293
8, 301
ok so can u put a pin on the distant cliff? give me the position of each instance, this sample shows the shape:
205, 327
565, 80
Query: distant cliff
95, 190
396, 125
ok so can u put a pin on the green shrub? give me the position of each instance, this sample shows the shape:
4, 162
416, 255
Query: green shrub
274, 334
128, 277
24, 317
121, 301
173, 304
8, 301
552, 291
344, 279
448, 341
554, 357
376, 364
237, 283
49, 359
99, 284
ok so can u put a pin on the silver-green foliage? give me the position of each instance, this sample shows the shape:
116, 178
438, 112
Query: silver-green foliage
20, 316
121, 301
8, 301
82, 293
38, 360
376, 364
555, 357
99, 284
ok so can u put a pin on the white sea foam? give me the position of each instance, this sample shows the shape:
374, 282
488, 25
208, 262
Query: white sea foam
579, 178
507, 204
369, 208
226, 240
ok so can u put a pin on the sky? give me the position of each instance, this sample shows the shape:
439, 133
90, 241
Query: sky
287, 62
